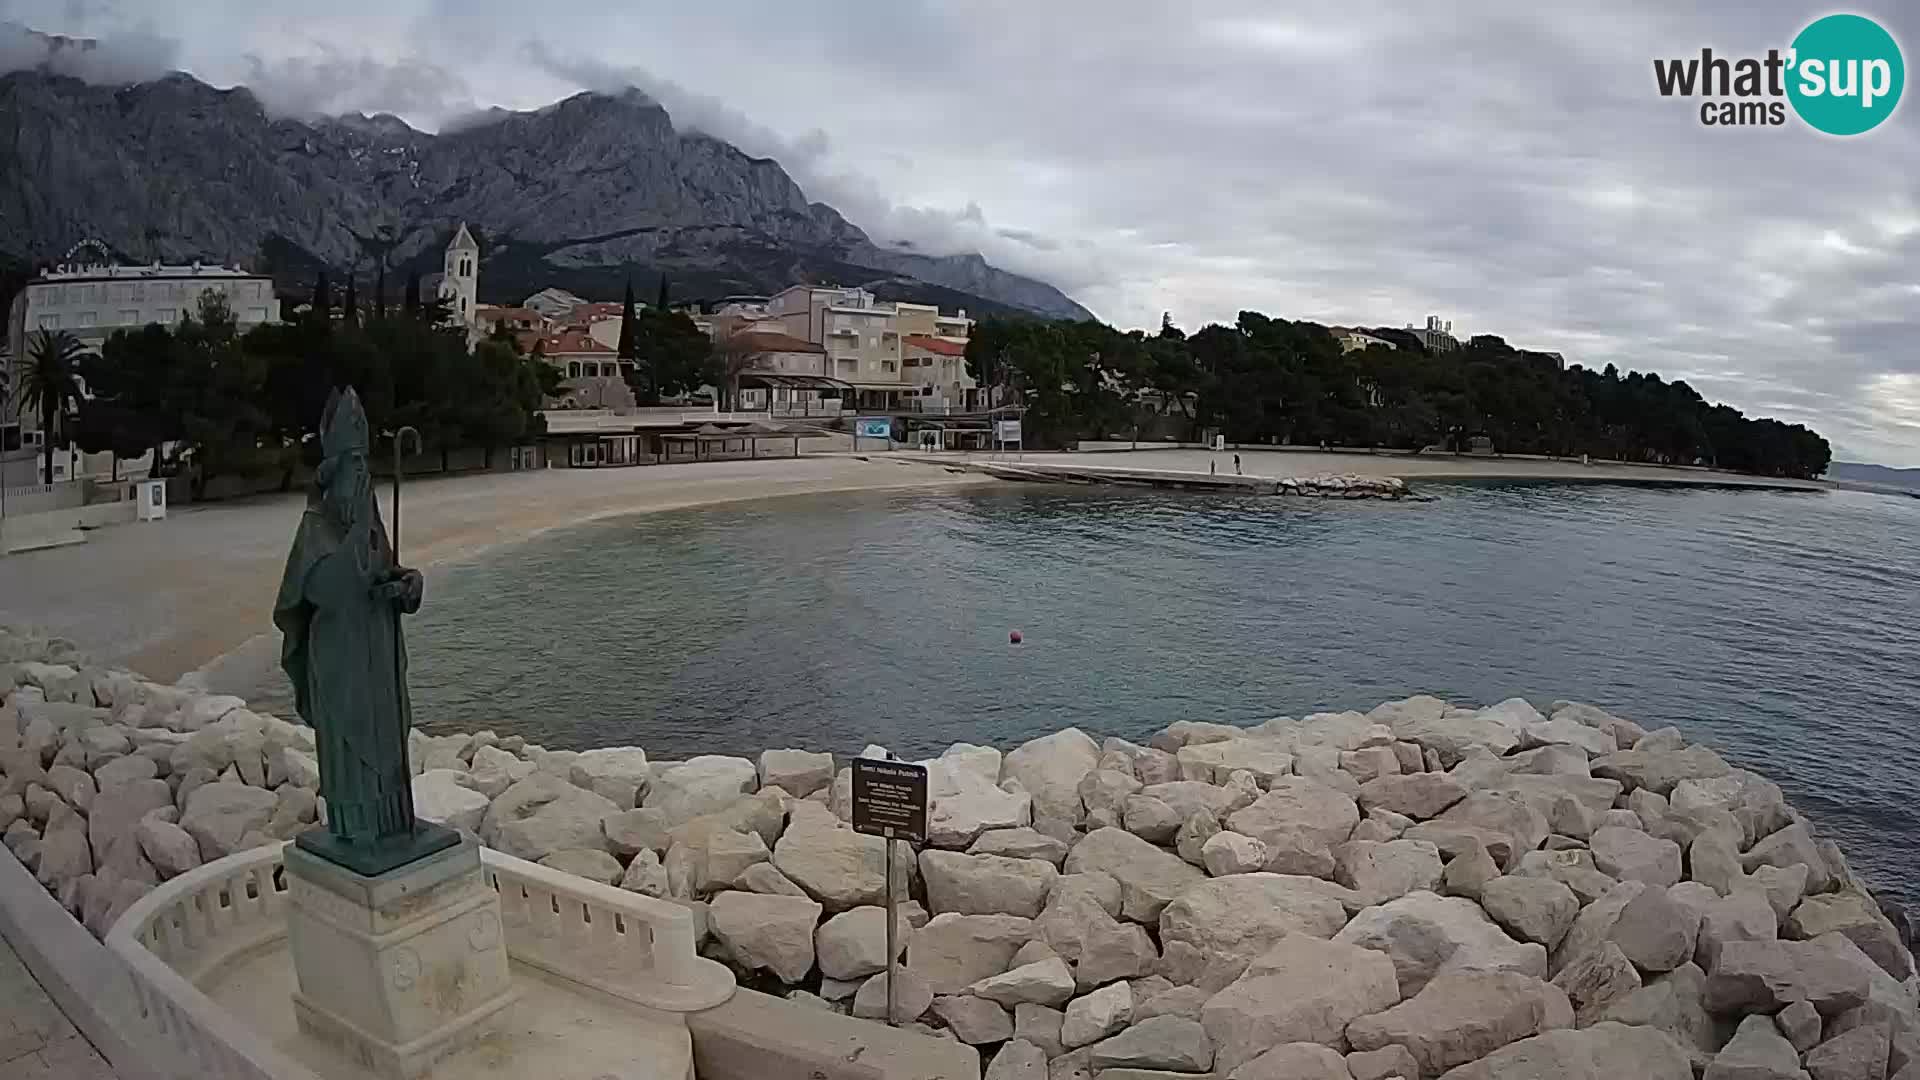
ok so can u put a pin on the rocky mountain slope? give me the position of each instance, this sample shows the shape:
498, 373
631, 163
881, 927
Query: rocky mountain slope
577, 194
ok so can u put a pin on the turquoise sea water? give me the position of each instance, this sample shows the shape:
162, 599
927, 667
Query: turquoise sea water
1782, 628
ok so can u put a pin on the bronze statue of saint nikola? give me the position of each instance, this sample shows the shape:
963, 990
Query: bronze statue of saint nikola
339, 610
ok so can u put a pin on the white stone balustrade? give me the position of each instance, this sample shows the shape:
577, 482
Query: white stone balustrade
609, 940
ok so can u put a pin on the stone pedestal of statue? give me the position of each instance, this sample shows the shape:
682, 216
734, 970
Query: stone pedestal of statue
399, 969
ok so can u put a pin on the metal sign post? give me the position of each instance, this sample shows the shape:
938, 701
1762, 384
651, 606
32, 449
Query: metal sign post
890, 801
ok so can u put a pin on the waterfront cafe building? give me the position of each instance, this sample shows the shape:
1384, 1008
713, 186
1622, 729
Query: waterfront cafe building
601, 438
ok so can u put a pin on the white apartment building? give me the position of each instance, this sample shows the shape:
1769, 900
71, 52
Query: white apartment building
92, 300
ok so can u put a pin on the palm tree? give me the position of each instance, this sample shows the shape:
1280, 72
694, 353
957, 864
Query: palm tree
51, 382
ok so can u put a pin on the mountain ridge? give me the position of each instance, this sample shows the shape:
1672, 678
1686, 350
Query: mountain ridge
580, 193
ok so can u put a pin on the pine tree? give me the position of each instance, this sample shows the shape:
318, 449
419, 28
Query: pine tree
628, 349
660, 304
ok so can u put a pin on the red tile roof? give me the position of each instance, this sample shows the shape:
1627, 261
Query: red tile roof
571, 342
599, 309
774, 341
940, 346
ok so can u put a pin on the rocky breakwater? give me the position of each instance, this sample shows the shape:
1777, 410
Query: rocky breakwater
1343, 487
1423, 890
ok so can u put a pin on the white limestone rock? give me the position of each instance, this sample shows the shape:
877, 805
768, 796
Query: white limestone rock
1149, 877
1766, 976
1660, 770
1188, 797
911, 997
1301, 990
1046, 982
1420, 795
1105, 791
63, 851
1267, 759
952, 952
700, 785
1855, 915
1296, 804
118, 808
1020, 843
544, 814
1150, 819
647, 876
1214, 929
835, 865
1231, 853
964, 799
593, 865
1097, 1015
169, 848
1018, 1059
985, 884
617, 774
1631, 855
441, 798
1464, 1016
630, 832
493, 770
1427, 935
219, 816
1536, 909
973, 1020
799, 773
1602, 1052
1379, 872
761, 877
1050, 768
770, 932
853, 944
1743, 916
1172, 1043
1567, 731
1596, 980
1756, 1052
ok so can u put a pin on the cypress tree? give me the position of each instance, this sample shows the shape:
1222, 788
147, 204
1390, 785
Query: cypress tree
661, 302
380, 292
350, 305
322, 298
412, 300
628, 349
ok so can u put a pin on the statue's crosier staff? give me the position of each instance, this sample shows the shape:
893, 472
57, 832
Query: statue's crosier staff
399, 671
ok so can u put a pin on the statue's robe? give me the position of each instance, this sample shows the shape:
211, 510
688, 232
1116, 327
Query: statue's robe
344, 652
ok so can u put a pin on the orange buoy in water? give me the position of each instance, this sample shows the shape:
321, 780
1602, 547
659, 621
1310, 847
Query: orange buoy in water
1013, 637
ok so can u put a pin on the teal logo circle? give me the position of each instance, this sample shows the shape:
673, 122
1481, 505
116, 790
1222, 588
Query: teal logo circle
1846, 74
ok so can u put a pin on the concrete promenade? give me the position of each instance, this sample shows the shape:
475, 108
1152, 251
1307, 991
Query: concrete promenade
36, 1040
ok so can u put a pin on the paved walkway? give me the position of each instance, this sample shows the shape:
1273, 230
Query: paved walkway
36, 1041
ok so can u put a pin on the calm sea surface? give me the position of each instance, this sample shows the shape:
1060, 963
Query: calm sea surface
1783, 628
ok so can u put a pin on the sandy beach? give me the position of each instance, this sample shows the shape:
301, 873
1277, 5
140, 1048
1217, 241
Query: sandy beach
167, 598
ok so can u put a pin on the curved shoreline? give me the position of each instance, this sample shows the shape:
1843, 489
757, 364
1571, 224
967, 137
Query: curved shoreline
186, 594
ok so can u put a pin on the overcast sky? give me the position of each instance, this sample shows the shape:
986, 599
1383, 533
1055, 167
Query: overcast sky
1349, 162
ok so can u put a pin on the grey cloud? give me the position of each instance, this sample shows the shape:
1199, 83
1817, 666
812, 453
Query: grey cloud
122, 57
1344, 160
331, 83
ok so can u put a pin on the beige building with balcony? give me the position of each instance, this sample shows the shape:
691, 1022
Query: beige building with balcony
865, 343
